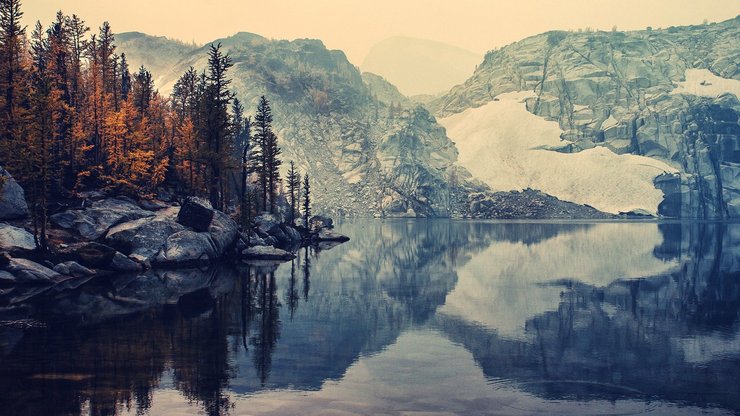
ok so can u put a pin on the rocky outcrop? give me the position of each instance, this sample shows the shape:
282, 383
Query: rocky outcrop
12, 198
143, 238
93, 223
619, 90
527, 204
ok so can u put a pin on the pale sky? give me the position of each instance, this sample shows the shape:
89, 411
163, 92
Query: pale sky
355, 26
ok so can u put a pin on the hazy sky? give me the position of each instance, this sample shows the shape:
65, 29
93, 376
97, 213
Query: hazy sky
355, 26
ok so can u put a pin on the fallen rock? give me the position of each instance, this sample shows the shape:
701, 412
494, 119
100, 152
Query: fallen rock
12, 199
72, 268
28, 272
14, 239
93, 223
186, 248
267, 253
196, 214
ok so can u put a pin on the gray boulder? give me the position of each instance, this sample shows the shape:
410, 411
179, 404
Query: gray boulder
14, 239
121, 263
72, 268
93, 223
142, 238
29, 272
89, 254
186, 248
223, 232
330, 235
196, 214
266, 253
12, 199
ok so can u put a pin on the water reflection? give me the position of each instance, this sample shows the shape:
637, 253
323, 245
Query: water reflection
561, 318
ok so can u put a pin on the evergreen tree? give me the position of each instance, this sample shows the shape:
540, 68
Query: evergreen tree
216, 123
12, 73
272, 167
125, 78
306, 201
294, 182
263, 123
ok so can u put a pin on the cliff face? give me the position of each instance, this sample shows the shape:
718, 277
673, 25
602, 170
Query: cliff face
668, 94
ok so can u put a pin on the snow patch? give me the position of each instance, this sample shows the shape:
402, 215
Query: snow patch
703, 83
504, 145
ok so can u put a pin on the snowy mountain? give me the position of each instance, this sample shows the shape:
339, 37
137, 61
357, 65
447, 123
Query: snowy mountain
418, 66
605, 118
364, 158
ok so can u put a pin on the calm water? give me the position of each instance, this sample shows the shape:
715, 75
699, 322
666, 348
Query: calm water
437, 317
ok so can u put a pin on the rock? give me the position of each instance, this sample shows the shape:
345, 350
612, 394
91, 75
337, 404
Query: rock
72, 268
14, 239
12, 198
152, 204
318, 222
291, 233
121, 263
266, 225
28, 272
223, 232
89, 254
143, 237
186, 248
93, 223
267, 253
196, 214
330, 235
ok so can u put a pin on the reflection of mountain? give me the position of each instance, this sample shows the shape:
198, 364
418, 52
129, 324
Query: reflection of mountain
672, 336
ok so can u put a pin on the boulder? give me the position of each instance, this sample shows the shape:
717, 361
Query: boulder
267, 253
72, 268
186, 248
89, 254
28, 272
330, 235
93, 223
223, 232
152, 204
13, 239
121, 263
267, 225
143, 237
196, 214
12, 199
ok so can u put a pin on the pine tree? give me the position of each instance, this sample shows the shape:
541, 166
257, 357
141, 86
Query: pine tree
263, 123
272, 167
12, 74
294, 182
306, 201
125, 78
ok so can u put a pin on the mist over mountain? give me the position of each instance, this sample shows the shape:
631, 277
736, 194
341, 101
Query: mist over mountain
419, 66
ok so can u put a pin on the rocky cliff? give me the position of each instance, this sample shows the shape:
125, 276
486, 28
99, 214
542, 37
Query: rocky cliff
668, 94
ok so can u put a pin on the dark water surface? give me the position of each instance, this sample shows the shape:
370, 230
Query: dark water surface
435, 317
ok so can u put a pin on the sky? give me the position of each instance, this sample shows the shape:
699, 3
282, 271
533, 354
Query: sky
355, 26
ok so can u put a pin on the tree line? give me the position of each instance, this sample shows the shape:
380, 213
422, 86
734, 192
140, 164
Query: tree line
74, 117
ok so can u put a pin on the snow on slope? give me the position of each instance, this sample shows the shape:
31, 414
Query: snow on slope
507, 147
703, 83
508, 283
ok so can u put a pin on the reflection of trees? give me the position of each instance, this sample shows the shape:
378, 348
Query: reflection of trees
291, 294
268, 331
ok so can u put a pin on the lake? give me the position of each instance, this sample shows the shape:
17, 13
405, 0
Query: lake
410, 316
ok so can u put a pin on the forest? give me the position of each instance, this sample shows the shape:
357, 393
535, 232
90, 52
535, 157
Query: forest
75, 118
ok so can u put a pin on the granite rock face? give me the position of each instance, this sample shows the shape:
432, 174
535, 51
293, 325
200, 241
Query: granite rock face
655, 93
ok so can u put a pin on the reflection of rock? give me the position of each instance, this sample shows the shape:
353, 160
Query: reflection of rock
12, 198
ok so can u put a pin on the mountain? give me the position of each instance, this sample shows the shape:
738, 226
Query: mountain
643, 121
157, 53
365, 158
418, 66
